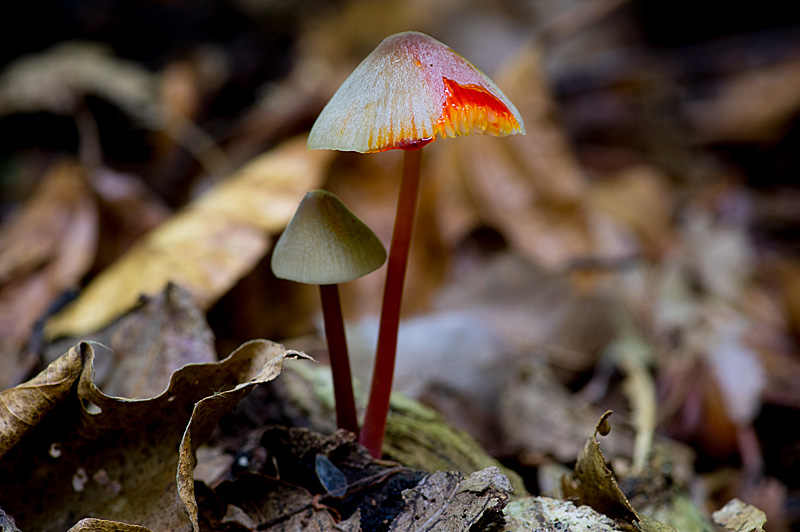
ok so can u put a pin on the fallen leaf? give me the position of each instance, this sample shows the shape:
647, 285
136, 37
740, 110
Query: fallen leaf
740, 517
507, 198
208, 411
447, 501
25, 405
45, 248
165, 333
58, 79
208, 246
128, 210
752, 105
103, 525
257, 499
265, 503
540, 417
557, 176
258, 502
640, 198
119, 463
592, 483
721, 254
159, 336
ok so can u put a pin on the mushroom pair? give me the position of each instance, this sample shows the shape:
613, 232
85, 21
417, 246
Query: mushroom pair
409, 90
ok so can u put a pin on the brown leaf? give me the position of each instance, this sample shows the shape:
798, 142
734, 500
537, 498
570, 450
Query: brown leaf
446, 501
129, 210
209, 245
210, 410
102, 525
45, 249
24, 406
58, 79
592, 483
740, 517
119, 464
752, 105
263, 503
638, 197
540, 417
162, 334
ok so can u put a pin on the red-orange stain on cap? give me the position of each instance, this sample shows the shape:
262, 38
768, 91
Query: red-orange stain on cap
472, 109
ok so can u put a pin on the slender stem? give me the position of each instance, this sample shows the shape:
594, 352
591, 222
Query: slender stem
346, 417
374, 427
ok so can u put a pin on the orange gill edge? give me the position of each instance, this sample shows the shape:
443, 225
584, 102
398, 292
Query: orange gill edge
466, 108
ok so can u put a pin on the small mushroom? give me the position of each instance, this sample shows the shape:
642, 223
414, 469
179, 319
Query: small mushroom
326, 244
409, 90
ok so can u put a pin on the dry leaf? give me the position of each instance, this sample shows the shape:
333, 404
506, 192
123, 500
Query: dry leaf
162, 334
58, 79
210, 410
545, 152
25, 405
259, 502
208, 246
129, 210
166, 333
737, 516
507, 198
640, 198
119, 463
593, 484
300, 498
448, 502
533, 310
45, 249
540, 417
753, 105
102, 525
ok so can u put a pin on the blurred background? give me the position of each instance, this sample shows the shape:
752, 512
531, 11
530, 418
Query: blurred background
638, 249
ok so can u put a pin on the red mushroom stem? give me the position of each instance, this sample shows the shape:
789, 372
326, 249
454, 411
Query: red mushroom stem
374, 428
346, 417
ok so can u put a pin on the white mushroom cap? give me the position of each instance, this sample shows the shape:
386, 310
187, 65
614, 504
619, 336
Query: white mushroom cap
325, 243
409, 90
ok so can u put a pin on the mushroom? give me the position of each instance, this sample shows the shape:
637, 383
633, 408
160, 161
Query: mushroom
409, 90
326, 244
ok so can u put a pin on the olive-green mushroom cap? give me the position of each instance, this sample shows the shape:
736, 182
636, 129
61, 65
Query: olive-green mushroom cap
325, 243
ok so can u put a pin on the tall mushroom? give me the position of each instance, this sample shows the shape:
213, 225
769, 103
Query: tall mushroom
326, 244
409, 90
